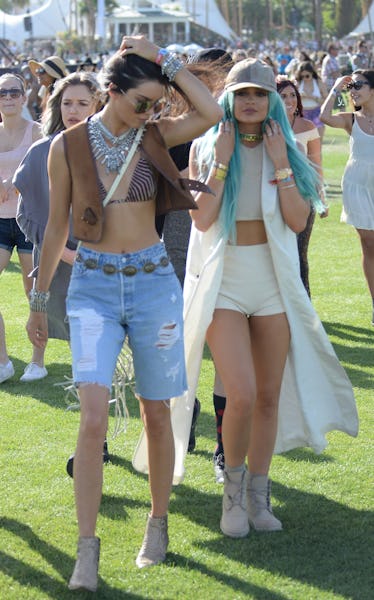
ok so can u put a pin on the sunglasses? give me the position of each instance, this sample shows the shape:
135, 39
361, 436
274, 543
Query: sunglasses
40, 71
307, 76
357, 85
143, 106
12, 92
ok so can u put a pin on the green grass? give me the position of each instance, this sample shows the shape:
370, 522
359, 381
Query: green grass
325, 502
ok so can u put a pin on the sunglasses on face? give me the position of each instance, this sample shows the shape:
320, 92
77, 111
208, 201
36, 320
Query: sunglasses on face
12, 92
356, 85
40, 71
143, 106
306, 76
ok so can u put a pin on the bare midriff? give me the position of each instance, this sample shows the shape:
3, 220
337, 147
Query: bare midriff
128, 227
250, 233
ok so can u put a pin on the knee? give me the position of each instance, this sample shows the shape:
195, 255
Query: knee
367, 242
267, 403
156, 420
93, 425
240, 402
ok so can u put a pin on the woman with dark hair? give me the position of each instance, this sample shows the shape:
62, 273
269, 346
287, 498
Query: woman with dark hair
73, 99
116, 174
306, 134
358, 177
313, 92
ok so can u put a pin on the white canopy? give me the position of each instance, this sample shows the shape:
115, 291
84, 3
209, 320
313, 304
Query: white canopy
366, 25
47, 21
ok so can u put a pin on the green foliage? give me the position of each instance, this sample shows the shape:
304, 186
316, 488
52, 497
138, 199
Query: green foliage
325, 502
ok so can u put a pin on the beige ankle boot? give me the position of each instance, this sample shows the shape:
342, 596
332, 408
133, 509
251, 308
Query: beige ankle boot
155, 543
87, 565
260, 513
234, 520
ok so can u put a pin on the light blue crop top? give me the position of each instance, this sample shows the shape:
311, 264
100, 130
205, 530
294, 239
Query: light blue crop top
249, 198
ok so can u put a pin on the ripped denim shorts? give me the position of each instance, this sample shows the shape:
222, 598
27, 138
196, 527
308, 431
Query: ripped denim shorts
137, 295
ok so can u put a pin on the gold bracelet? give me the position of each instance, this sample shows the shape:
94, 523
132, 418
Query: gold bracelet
219, 174
281, 174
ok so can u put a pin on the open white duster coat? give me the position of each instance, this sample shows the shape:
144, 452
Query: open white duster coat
316, 394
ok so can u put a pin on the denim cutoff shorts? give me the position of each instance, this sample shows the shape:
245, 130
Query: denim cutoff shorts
146, 307
11, 236
249, 284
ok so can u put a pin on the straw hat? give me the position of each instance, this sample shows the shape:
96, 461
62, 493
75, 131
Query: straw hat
53, 65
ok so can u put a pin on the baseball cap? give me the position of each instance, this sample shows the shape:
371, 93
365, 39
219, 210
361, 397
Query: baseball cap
251, 72
53, 65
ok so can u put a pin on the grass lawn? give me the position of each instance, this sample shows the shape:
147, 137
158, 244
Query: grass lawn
325, 550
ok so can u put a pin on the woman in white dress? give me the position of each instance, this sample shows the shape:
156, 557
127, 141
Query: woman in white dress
358, 178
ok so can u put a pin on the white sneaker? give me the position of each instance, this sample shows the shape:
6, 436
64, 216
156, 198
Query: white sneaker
33, 372
6, 371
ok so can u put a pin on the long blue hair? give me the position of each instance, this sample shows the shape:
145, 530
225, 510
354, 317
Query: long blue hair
306, 177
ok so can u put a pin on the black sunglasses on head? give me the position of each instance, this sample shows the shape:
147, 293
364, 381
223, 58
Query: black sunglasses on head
13, 93
356, 85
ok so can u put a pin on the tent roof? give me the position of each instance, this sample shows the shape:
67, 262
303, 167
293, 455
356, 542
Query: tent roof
366, 25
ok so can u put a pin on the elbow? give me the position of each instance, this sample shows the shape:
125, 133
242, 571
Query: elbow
298, 225
215, 115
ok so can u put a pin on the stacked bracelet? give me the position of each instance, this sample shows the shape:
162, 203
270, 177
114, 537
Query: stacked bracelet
282, 176
170, 65
219, 171
162, 53
38, 301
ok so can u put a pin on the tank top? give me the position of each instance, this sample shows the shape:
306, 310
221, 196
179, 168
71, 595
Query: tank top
249, 199
9, 162
309, 103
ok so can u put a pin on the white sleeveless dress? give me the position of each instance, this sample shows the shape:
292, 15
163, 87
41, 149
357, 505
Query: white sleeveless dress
358, 180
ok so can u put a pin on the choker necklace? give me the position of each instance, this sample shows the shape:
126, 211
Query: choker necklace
111, 156
250, 137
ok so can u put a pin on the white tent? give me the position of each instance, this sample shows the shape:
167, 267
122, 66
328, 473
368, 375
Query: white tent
207, 14
366, 25
47, 21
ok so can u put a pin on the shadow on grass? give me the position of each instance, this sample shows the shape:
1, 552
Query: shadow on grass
324, 544
354, 347
244, 587
32, 577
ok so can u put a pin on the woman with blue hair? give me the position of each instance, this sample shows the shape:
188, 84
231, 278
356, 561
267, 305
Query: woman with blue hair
244, 293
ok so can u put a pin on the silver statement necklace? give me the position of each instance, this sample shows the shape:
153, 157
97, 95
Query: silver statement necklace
113, 155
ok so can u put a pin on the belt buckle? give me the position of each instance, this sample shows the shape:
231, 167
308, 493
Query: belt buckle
129, 270
90, 263
109, 269
149, 267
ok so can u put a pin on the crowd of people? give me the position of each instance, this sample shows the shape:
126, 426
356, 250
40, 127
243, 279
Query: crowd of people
121, 240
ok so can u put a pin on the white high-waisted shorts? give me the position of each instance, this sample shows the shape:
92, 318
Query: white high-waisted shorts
249, 284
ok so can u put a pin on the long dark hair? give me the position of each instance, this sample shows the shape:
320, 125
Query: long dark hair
283, 84
307, 65
368, 74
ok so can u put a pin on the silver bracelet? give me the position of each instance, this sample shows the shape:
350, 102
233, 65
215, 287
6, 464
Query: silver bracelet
170, 66
38, 301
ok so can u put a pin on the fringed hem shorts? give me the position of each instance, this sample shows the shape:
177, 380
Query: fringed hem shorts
249, 284
112, 296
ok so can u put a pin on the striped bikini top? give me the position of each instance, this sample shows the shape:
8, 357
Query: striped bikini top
143, 185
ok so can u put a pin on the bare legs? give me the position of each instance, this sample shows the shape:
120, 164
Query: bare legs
25, 260
367, 245
157, 425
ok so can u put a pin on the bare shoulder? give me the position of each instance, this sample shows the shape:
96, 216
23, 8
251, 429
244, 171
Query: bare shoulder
307, 124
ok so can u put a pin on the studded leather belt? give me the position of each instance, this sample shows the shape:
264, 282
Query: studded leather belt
128, 270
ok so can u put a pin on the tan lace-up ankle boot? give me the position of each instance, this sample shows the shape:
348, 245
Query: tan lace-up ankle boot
155, 542
260, 512
87, 565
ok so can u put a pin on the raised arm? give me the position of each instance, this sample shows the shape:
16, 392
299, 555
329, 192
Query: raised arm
210, 205
205, 113
339, 120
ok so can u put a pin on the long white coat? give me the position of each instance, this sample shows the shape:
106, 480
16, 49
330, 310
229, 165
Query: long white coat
316, 394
